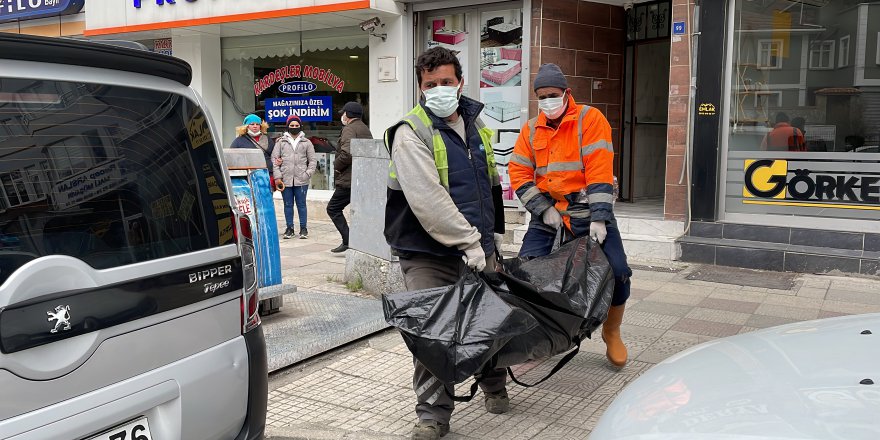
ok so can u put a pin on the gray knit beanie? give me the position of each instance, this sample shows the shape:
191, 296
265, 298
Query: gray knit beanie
550, 75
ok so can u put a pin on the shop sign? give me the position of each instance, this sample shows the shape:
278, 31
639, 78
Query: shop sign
309, 109
297, 87
29, 9
784, 183
303, 71
163, 46
87, 185
706, 109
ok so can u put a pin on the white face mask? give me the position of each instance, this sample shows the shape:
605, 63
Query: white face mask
442, 100
345, 120
552, 107
254, 133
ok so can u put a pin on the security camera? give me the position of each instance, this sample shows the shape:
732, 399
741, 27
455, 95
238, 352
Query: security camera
371, 24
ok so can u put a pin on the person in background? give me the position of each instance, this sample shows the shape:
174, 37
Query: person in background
562, 171
784, 136
354, 128
253, 134
295, 162
445, 213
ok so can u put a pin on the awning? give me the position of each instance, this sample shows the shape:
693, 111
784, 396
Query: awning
289, 44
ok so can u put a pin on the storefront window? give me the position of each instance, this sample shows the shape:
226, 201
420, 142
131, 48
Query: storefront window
803, 138
312, 74
494, 62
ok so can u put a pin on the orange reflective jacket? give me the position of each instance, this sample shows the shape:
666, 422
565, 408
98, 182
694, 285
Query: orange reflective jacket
551, 167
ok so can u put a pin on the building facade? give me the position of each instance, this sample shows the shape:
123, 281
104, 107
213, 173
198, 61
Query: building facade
786, 166
48, 18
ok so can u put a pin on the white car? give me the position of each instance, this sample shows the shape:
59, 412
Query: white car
128, 290
808, 380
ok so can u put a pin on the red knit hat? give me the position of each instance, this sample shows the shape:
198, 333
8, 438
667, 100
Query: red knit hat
294, 118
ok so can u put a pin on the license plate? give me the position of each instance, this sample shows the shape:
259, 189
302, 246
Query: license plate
135, 430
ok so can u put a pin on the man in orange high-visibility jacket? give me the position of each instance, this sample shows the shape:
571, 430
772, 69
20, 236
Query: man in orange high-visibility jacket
561, 169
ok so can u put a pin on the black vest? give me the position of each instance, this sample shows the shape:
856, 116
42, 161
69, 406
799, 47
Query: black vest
469, 187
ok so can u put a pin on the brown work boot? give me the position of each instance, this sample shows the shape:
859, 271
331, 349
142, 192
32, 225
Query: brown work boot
615, 350
429, 430
497, 403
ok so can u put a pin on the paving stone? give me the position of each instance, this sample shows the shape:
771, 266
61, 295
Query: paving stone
671, 343
796, 313
848, 307
794, 301
764, 321
706, 328
660, 308
675, 298
647, 284
720, 316
812, 292
814, 281
651, 320
853, 296
729, 305
638, 294
747, 330
830, 314
689, 289
854, 285
739, 295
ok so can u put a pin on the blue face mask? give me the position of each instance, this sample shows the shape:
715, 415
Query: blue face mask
442, 100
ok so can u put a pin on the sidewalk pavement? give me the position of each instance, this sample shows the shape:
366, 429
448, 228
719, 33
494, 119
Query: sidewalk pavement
364, 391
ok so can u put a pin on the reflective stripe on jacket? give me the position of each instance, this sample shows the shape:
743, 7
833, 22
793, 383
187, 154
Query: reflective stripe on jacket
465, 169
550, 167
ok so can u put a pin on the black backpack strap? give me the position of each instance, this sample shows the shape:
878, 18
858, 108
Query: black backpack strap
473, 392
555, 369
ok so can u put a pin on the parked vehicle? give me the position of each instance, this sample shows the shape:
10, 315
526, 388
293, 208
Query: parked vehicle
806, 380
128, 303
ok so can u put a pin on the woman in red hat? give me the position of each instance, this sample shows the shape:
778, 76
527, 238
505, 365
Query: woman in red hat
295, 162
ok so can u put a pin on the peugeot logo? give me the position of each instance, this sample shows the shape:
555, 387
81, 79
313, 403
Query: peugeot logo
61, 316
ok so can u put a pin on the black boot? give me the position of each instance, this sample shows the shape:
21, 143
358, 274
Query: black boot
341, 248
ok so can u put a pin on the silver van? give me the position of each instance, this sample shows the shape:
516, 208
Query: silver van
128, 298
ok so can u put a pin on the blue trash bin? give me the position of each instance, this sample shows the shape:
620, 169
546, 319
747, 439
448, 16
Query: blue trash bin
252, 191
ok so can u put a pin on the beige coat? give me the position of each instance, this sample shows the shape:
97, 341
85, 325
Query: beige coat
298, 161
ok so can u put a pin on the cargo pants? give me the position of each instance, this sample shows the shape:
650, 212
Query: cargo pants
433, 401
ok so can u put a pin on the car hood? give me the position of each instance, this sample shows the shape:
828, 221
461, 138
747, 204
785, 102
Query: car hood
797, 381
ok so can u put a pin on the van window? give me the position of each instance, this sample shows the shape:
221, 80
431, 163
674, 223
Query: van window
107, 174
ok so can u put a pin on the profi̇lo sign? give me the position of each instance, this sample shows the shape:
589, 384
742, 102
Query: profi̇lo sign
11, 10
780, 183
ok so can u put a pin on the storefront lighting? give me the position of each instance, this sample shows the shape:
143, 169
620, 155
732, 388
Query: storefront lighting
354, 57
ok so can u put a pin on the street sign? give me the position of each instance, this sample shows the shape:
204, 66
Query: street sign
678, 28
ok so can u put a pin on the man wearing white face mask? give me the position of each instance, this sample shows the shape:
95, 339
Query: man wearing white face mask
562, 171
444, 213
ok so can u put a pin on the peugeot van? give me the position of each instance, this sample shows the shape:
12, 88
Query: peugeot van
128, 298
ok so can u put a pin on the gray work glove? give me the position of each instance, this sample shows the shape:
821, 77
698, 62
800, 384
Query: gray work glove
475, 258
598, 231
551, 218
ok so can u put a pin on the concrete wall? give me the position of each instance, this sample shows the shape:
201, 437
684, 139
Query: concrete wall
369, 256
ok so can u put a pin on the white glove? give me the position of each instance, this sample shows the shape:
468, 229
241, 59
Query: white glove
598, 231
475, 258
551, 218
498, 240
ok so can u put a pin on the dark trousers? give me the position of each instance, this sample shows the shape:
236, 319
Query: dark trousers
433, 401
538, 242
297, 195
341, 198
